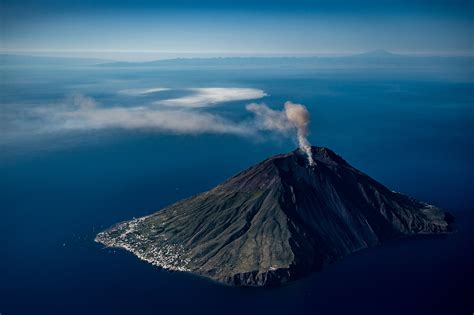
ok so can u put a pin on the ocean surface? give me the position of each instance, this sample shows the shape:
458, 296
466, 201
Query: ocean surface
60, 185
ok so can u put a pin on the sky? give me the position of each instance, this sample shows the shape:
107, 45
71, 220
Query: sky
143, 29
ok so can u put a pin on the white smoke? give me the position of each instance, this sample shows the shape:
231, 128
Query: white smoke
294, 116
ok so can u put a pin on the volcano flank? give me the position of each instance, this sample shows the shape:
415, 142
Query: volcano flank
276, 222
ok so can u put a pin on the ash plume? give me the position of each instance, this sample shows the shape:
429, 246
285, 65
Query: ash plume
294, 116
298, 115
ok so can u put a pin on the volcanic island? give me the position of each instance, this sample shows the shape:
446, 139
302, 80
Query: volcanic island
276, 222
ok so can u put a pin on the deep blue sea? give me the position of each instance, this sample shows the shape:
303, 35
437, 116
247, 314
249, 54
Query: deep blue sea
412, 131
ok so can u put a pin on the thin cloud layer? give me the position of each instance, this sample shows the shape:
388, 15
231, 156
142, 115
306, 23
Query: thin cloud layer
143, 91
203, 97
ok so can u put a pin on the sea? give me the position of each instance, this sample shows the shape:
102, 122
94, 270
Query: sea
62, 182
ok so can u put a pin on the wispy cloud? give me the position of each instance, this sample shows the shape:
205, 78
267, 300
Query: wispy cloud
203, 97
143, 91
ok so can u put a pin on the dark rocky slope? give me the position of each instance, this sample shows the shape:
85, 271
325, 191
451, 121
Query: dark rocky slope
276, 221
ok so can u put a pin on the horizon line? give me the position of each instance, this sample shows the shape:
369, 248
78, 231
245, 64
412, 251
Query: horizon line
79, 53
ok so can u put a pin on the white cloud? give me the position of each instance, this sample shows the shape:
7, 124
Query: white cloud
143, 91
203, 97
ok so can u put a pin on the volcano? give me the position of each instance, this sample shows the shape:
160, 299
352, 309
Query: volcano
276, 222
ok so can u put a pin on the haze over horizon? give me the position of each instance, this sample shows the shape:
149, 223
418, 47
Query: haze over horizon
148, 30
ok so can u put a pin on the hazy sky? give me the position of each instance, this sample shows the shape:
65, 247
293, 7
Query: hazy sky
178, 28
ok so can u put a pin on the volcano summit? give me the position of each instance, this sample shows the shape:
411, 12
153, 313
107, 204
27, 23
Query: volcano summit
276, 222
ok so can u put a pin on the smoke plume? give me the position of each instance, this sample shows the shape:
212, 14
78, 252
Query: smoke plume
294, 116
298, 115
80, 112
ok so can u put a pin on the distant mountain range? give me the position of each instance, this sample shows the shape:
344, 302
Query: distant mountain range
376, 58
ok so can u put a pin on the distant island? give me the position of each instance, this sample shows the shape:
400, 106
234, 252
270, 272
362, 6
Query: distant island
276, 222
371, 59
